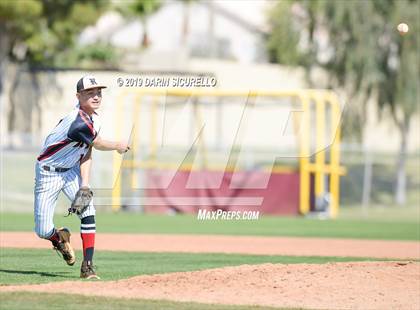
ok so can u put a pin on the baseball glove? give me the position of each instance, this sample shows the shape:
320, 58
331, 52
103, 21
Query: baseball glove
81, 201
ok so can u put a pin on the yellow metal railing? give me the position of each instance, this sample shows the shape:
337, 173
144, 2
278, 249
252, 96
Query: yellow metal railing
319, 99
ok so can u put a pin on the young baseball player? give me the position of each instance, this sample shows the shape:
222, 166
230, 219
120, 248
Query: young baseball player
64, 165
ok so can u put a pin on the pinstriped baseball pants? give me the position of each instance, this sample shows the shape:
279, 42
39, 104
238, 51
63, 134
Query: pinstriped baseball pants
48, 186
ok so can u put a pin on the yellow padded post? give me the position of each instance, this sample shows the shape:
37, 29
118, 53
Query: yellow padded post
117, 162
319, 145
335, 155
304, 190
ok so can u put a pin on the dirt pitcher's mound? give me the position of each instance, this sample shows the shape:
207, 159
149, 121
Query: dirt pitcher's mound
371, 285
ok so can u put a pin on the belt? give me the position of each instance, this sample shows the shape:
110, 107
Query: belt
55, 169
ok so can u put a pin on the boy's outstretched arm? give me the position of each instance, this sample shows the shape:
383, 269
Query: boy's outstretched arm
106, 145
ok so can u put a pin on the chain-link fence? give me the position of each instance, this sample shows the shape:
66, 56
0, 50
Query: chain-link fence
369, 181
371, 177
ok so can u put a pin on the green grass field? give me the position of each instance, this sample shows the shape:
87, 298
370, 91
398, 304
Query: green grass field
369, 228
15, 301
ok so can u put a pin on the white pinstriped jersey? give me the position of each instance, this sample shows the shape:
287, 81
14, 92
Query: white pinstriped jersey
70, 140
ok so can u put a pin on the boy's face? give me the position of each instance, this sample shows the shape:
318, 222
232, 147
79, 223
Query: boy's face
90, 99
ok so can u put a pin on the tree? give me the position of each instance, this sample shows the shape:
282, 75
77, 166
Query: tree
399, 87
282, 43
336, 36
142, 9
356, 42
18, 22
36, 32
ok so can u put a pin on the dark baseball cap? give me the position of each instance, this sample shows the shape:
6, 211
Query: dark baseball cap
88, 82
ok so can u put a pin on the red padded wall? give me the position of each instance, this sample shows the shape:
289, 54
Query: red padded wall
188, 191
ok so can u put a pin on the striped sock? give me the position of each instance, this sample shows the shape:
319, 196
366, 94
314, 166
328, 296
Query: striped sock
87, 232
54, 238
